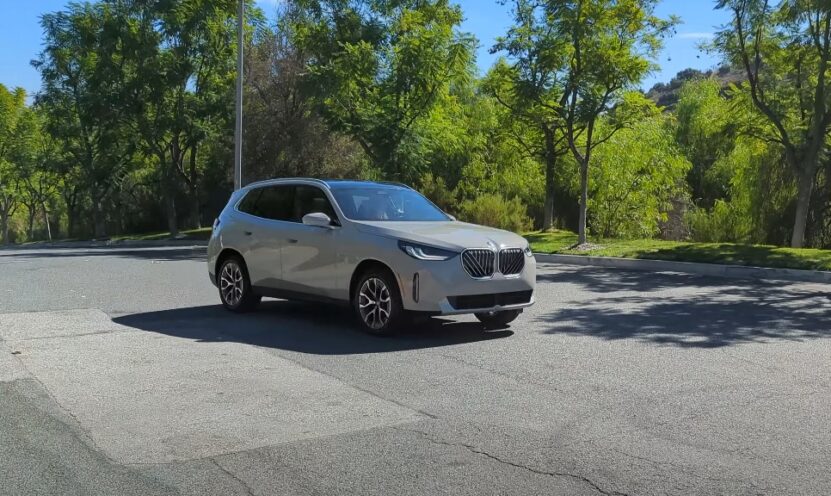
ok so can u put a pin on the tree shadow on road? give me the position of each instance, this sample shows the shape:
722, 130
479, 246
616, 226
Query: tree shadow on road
608, 280
303, 327
661, 309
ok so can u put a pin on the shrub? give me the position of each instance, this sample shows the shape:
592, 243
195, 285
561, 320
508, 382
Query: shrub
723, 223
493, 210
437, 191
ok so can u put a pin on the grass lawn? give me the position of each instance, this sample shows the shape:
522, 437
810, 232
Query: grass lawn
717, 253
186, 235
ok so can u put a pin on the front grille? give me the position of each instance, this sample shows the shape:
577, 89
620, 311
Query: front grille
511, 261
478, 263
469, 302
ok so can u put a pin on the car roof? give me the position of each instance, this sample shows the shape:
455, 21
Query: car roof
328, 183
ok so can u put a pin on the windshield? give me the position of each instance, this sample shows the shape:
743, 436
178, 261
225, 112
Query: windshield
380, 203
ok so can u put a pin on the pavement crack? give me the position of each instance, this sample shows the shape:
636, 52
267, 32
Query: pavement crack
478, 451
504, 375
233, 476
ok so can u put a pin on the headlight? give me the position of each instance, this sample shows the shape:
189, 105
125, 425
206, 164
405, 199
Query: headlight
528, 252
424, 252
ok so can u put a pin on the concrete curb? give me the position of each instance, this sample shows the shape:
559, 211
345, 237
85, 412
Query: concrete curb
136, 243
704, 269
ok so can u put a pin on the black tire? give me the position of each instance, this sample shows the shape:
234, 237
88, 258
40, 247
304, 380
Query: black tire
498, 320
234, 273
376, 291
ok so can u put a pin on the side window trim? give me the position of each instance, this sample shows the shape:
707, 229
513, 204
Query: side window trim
293, 188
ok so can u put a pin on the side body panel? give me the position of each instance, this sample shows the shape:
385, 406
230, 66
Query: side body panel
310, 260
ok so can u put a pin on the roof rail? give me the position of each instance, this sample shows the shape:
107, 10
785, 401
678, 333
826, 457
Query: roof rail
278, 180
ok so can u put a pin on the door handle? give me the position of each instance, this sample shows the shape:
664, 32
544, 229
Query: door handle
292, 241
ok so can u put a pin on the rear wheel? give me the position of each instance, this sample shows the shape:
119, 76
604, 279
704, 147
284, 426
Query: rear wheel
377, 302
235, 286
498, 319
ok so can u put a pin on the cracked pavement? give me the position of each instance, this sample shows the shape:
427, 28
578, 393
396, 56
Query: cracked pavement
120, 374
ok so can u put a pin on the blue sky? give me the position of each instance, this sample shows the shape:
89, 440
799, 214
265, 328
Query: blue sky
20, 35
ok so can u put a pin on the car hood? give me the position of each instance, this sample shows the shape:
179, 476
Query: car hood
449, 235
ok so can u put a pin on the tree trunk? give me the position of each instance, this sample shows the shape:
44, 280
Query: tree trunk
30, 228
70, 199
548, 214
805, 188
169, 193
584, 200
550, 165
98, 220
196, 217
170, 208
71, 215
195, 210
46, 221
4, 227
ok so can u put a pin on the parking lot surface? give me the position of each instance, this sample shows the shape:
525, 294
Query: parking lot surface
121, 374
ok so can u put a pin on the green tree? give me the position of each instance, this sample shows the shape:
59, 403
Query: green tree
706, 131
83, 80
609, 47
532, 87
39, 178
13, 138
284, 133
180, 61
785, 51
638, 174
377, 67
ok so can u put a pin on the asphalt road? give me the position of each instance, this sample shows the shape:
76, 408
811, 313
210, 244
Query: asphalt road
120, 374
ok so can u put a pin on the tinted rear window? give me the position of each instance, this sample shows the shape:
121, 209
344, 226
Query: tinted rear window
275, 203
249, 203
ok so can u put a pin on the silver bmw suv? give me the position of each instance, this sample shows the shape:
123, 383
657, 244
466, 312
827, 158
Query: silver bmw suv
382, 248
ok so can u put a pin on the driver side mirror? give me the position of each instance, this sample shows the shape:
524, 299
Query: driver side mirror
317, 219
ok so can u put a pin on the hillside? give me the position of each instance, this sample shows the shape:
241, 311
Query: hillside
666, 94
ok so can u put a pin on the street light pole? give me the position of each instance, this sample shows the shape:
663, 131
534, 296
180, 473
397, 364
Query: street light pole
238, 126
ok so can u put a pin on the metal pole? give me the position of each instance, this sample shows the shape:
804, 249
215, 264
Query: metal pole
238, 127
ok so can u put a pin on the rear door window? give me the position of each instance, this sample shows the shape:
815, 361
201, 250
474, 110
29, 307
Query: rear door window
249, 203
276, 202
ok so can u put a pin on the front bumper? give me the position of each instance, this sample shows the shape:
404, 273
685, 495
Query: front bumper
445, 288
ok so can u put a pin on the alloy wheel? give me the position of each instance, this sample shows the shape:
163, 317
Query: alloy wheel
374, 303
231, 283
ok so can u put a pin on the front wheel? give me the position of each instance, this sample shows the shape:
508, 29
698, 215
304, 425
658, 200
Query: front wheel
377, 302
498, 319
235, 286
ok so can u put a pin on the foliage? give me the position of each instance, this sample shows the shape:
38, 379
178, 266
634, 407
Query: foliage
706, 133
638, 173
179, 60
376, 68
132, 128
13, 141
533, 89
283, 133
437, 191
607, 50
495, 211
722, 223
81, 69
785, 50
